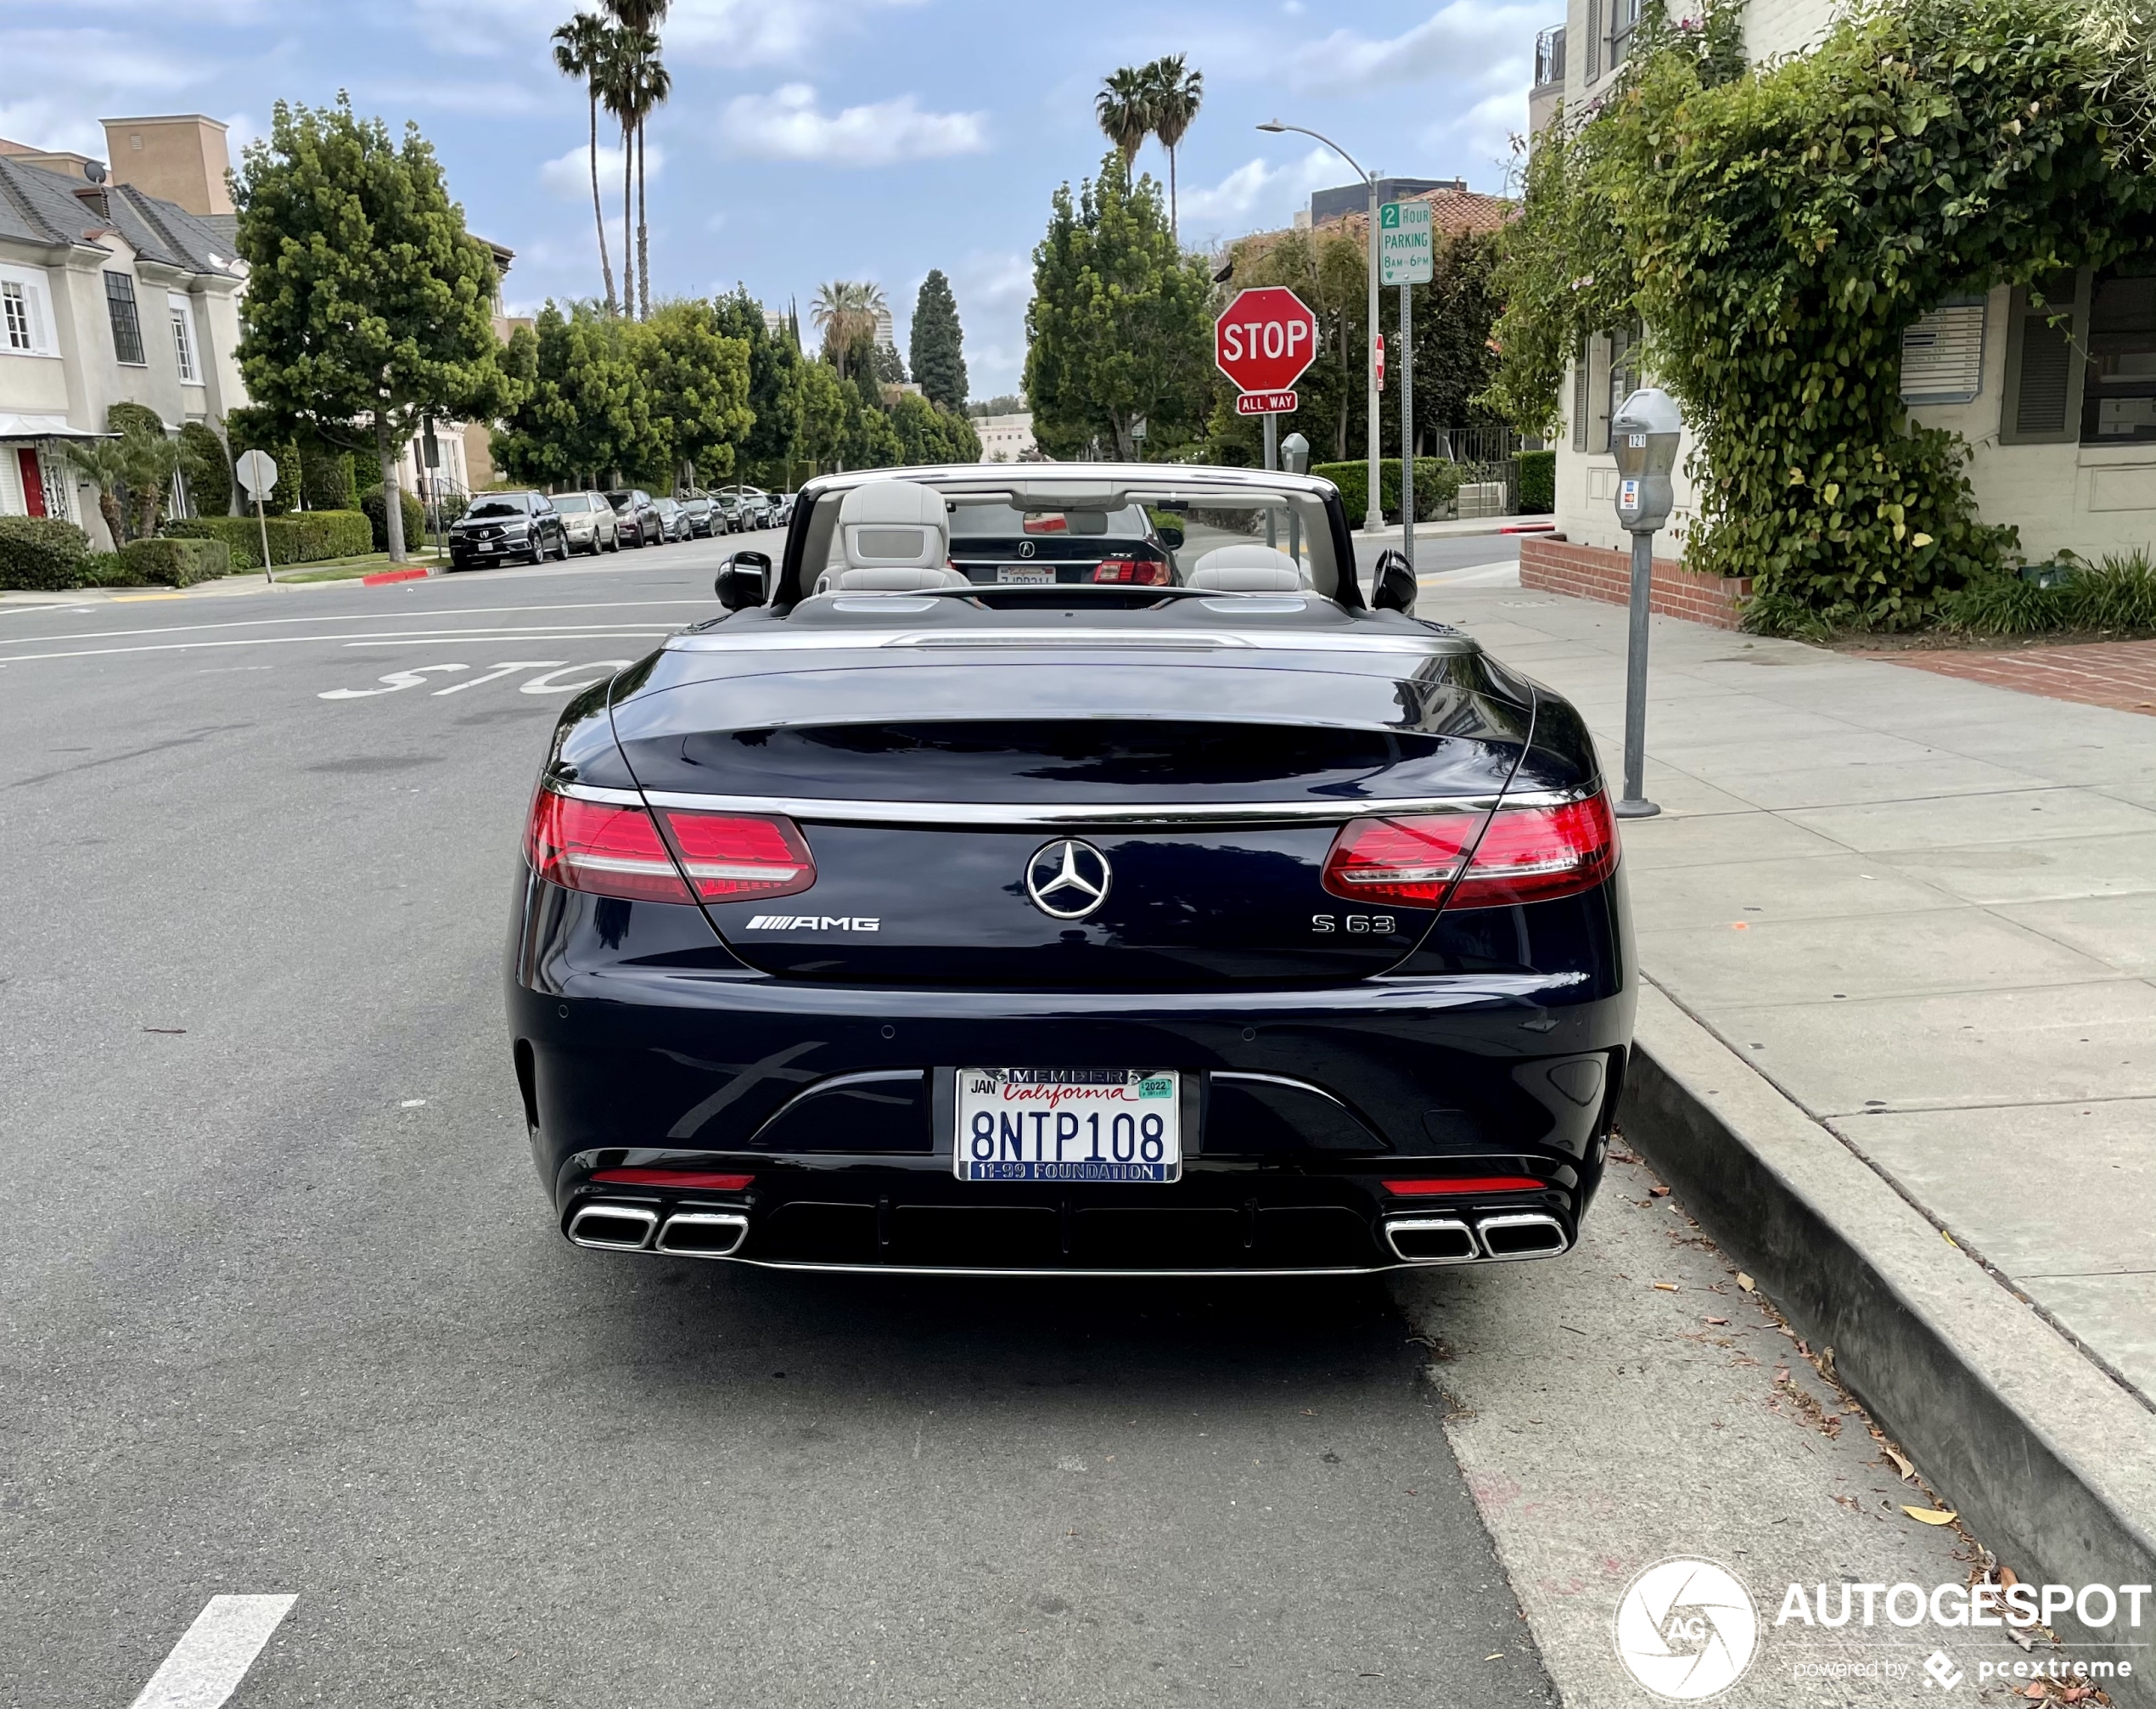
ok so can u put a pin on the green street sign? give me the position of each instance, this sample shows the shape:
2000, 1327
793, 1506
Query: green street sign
1404, 251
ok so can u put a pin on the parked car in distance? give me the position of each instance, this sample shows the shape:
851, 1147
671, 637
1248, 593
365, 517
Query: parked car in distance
501, 528
752, 504
781, 509
703, 513
673, 521
635, 514
728, 514
589, 521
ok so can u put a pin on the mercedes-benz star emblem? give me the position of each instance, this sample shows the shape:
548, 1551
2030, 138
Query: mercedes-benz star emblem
1067, 880
1026, 548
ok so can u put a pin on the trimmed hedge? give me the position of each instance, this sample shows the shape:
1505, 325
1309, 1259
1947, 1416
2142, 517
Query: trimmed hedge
1437, 484
41, 554
415, 520
175, 562
1537, 482
312, 537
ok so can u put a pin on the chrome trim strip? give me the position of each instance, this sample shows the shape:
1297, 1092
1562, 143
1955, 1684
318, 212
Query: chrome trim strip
1416, 1224
1135, 641
1525, 1219
1073, 1270
863, 1077
1049, 816
1282, 1080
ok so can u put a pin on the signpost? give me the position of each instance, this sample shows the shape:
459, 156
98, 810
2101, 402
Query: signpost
1405, 258
257, 472
1263, 341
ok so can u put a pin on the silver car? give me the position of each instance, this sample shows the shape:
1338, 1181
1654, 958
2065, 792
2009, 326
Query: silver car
590, 520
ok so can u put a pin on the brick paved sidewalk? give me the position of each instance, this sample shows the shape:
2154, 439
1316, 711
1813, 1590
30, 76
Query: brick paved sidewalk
2120, 674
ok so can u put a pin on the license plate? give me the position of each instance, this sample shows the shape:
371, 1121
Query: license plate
1030, 573
1068, 1124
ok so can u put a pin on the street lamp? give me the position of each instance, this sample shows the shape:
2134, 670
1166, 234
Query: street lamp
1373, 512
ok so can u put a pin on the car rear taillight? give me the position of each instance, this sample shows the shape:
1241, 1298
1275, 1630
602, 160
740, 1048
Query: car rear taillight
1537, 854
1414, 860
1521, 854
1448, 1185
682, 1180
615, 851
1138, 572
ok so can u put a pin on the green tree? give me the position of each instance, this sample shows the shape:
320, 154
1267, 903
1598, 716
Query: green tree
846, 312
203, 461
928, 434
366, 300
1120, 326
768, 449
581, 48
818, 406
583, 414
1174, 94
939, 343
698, 378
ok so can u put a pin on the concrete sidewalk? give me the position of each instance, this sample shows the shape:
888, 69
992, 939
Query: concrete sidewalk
1924, 909
1920, 911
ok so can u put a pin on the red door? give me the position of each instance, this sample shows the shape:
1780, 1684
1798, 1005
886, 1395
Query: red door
33, 483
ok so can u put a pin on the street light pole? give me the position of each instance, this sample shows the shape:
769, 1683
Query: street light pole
1373, 516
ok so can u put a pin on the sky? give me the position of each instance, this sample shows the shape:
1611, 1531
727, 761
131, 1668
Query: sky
808, 140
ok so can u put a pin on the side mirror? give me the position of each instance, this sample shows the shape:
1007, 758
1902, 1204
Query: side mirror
744, 579
1394, 589
1171, 535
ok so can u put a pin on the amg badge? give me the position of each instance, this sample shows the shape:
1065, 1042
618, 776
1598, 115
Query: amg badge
813, 922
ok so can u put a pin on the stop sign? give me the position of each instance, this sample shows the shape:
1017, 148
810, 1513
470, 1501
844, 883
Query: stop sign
1265, 339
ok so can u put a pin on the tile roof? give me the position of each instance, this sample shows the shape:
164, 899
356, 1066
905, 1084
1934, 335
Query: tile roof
41, 207
1453, 214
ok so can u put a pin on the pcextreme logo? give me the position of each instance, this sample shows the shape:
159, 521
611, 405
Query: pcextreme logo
813, 922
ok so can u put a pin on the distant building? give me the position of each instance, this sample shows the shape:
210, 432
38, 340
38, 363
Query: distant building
1329, 206
115, 286
886, 333
1007, 438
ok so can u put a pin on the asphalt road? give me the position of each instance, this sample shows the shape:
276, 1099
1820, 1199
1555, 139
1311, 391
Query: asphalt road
284, 1311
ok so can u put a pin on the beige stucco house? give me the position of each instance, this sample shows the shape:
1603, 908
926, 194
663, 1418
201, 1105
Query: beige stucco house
111, 291
2061, 420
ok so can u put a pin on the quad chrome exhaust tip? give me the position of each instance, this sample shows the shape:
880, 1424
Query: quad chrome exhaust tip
606, 1227
702, 1233
1450, 1240
1522, 1234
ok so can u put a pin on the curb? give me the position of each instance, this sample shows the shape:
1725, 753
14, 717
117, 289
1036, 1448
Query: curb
2050, 1463
385, 575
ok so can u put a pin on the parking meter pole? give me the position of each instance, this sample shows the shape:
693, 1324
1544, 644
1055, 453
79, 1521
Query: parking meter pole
264, 526
1635, 804
1406, 428
1272, 461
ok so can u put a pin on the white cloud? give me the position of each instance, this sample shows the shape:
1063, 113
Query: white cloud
786, 125
1257, 194
1458, 38
993, 288
569, 176
723, 33
493, 101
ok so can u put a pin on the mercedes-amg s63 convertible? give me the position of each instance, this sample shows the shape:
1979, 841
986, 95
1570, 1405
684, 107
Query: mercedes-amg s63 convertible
1071, 869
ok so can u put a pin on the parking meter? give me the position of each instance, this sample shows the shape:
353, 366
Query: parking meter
1643, 434
1295, 457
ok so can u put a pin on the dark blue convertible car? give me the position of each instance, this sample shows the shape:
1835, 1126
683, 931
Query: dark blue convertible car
932, 909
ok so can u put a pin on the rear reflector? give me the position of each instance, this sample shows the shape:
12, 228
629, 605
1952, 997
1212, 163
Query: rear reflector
618, 851
686, 1180
1457, 1184
1520, 855
1139, 572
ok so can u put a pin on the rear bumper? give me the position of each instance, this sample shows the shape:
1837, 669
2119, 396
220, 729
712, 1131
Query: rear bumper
1300, 1106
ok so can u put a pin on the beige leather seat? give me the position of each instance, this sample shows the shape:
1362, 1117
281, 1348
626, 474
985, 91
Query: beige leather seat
895, 536
1247, 569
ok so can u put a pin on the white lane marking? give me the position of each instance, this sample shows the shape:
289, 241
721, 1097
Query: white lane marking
704, 603
414, 679
443, 638
214, 1653
1504, 573
501, 670
547, 685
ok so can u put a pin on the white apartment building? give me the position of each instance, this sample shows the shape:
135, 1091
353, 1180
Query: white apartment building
2061, 420
1007, 438
110, 292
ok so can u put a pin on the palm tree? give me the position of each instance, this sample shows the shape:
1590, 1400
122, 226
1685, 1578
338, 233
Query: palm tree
105, 462
616, 74
580, 49
845, 311
1173, 96
1124, 109
650, 84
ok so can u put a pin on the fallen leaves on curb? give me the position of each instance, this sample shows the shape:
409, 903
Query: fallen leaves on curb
1932, 1515
1900, 1462
1746, 1283
1720, 1323
1666, 1287
1657, 1192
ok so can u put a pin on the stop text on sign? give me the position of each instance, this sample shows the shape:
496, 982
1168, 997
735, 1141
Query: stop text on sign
1265, 339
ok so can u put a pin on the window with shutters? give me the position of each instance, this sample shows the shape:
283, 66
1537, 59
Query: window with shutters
183, 338
1579, 398
126, 322
1624, 371
2046, 333
2119, 388
1624, 20
26, 328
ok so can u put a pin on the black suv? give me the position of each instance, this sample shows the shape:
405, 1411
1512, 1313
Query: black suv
639, 516
501, 528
